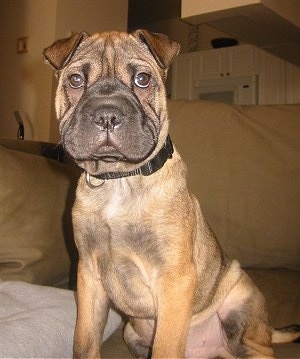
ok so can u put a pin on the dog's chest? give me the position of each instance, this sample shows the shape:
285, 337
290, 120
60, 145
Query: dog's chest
130, 270
131, 251
126, 204
114, 207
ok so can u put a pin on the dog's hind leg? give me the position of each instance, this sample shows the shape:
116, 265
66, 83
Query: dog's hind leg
137, 345
245, 321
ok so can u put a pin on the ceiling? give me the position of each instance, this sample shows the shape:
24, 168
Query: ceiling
257, 25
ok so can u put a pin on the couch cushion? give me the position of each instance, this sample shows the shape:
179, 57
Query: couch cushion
243, 165
35, 221
282, 292
39, 321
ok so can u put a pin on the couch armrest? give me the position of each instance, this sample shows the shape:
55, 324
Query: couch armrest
36, 196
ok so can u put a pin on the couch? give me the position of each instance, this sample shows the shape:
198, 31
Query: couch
243, 165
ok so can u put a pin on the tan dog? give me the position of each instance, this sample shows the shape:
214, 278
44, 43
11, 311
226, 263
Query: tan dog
143, 243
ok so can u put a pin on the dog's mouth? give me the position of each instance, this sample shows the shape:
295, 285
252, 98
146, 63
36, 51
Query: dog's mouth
107, 154
101, 155
109, 159
111, 154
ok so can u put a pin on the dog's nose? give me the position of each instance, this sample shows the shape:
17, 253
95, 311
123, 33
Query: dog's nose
107, 117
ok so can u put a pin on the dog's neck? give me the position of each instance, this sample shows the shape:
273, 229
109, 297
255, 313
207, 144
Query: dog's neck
147, 169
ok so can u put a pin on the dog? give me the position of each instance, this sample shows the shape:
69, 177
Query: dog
144, 245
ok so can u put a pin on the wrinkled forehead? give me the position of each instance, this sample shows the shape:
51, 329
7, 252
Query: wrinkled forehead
112, 52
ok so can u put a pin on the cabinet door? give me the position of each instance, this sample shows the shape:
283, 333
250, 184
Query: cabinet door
242, 60
292, 87
271, 84
182, 80
209, 64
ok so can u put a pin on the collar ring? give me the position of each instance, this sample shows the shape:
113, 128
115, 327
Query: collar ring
89, 182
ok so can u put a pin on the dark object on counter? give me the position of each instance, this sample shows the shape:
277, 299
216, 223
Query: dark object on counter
223, 42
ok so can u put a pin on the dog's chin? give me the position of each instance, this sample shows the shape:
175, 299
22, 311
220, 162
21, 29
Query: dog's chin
97, 167
110, 161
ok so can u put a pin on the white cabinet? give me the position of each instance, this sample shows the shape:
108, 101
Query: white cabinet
242, 60
230, 61
292, 84
271, 79
211, 64
278, 81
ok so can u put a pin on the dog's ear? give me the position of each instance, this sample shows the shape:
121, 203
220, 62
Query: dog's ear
160, 46
61, 51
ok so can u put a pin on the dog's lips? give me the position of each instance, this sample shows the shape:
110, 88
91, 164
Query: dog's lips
107, 154
109, 159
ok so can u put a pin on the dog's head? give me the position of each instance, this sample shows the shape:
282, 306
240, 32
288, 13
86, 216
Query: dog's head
111, 100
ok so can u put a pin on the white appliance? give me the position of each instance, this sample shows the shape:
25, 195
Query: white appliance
240, 90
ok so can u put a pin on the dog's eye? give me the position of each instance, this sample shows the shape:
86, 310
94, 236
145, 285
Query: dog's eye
142, 79
76, 81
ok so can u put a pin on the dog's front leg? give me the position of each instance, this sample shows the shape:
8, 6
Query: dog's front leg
174, 303
92, 312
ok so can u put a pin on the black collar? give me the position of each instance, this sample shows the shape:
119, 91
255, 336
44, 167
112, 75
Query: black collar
148, 168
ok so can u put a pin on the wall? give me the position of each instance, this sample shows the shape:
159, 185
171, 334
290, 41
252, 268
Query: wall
26, 82
90, 16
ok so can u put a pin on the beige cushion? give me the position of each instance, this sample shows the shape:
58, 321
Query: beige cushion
282, 292
244, 166
35, 222
39, 321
